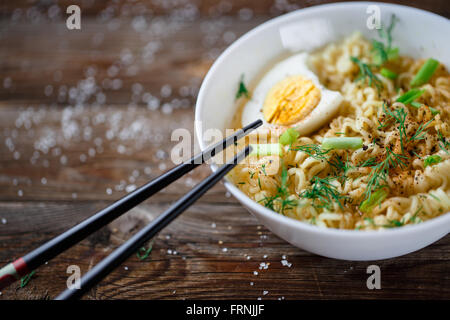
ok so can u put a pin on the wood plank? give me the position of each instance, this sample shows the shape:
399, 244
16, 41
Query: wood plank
59, 173
178, 56
201, 269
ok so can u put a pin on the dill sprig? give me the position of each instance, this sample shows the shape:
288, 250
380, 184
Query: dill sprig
380, 172
340, 168
313, 150
367, 163
444, 144
283, 188
382, 125
263, 168
366, 74
26, 279
383, 51
242, 89
399, 116
420, 133
380, 53
387, 33
393, 224
144, 252
281, 197
323, 193
269, 202
283, 192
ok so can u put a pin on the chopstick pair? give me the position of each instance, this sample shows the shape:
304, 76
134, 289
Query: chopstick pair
24, 265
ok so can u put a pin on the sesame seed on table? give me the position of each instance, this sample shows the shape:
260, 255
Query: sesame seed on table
86, 116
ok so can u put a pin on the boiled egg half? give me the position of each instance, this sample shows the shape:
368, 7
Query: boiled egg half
291, 95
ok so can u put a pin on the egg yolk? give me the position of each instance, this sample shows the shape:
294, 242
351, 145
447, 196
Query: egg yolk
290, 100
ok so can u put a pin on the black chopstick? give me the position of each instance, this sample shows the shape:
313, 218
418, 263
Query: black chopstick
52, 248
119, 255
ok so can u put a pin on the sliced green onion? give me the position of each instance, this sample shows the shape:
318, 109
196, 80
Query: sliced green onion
269, 149
380, 55
375, 199
289, 136
431, 160
392, 54
388, 73
425, 73
410, 96
342, 143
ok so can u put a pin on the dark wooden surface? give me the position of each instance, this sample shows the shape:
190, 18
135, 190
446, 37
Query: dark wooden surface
62, 157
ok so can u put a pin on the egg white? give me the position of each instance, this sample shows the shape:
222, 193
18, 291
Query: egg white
292, 66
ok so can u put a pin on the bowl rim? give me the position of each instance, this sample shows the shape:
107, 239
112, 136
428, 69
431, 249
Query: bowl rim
279, 218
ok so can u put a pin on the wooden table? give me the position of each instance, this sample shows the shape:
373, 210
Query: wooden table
78, 130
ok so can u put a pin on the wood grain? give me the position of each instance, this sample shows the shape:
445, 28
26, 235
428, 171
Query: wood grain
201, 269
64, 157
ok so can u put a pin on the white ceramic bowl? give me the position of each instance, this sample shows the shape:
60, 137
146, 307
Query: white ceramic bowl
418, 33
